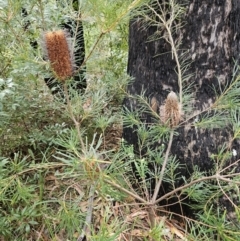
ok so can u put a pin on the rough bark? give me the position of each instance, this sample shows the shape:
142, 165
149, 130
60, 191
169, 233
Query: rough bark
212, 37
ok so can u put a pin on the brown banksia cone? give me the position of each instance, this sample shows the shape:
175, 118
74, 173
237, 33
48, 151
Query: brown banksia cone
172, 110
58, 52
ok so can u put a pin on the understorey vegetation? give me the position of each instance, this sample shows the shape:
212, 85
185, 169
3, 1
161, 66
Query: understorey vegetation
67, 172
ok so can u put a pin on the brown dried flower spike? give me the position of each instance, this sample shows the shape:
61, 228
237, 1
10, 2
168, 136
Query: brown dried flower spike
172, 110
59, 53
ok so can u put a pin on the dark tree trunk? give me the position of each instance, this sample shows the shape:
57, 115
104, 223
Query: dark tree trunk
211, 35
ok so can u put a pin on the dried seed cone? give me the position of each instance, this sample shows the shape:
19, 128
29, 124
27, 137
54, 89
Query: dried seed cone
172, 110
59, 53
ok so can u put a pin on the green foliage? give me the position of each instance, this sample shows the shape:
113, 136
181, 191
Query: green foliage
42, 158
52, 153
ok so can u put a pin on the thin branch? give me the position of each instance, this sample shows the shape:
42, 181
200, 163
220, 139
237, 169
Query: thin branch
76, 123
224, 193
137, 197
90, 53
169, 38
213, 177
125, 13
42, 14
159, 183
76, 33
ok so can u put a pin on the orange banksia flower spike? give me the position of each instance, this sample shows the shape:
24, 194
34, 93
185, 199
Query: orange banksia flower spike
58, 52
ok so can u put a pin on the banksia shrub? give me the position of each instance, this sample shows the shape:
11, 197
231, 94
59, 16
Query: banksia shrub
172, 110
58, 52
